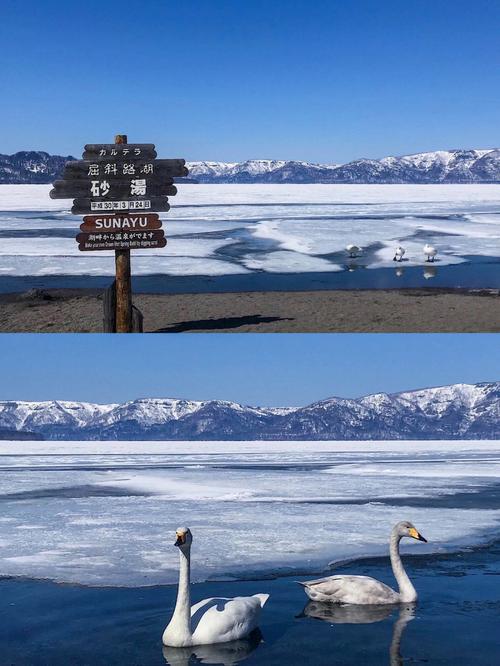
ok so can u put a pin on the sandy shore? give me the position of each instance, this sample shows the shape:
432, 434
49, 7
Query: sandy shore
342, 311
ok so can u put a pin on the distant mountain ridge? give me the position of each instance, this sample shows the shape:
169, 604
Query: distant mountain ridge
442, 166
451, 166
31, 167
459, 411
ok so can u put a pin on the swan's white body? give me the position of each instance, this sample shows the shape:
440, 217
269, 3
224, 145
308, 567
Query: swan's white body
364, 589
399, 253
214, 620
430, 252
353, 250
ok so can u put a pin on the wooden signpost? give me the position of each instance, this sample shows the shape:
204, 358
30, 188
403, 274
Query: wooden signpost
117, 186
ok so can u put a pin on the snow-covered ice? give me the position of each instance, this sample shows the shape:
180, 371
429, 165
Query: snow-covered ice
240, 229
104, 513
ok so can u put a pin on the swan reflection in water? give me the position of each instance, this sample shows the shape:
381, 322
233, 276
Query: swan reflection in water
430, 272
353, 614
224, 654
353, 266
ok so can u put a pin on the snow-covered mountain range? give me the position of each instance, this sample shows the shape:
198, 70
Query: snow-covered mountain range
442, 166
32, 166
459, 411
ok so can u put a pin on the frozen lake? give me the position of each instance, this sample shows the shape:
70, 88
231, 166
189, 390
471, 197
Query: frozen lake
104, 513
230, 237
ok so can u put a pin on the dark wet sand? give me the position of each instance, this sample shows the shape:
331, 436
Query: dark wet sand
454, 623
342, 311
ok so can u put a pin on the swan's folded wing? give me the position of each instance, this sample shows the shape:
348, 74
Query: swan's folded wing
350, 590
219, 620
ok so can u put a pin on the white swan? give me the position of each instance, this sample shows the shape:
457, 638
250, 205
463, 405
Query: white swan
367, 590
399, 253
430, 252
215, 620
353, 250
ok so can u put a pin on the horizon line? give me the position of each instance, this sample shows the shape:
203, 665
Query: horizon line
330, 397
275, 159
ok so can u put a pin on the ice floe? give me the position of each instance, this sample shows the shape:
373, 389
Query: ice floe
104, 513
237, 229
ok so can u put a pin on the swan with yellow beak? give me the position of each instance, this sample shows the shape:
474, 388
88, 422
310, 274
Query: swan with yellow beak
367, 590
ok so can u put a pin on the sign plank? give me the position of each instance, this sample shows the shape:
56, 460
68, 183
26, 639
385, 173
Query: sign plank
119, 168
116, 223
138, 150
145, 204
147, 240
105, 190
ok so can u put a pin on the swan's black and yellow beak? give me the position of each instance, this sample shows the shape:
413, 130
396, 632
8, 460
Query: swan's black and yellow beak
181, 540
416, 535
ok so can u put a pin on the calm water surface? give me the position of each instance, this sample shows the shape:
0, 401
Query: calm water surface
455, 622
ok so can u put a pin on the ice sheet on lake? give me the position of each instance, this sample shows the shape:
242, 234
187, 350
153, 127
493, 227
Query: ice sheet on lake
105, 513
234, 229
288, 262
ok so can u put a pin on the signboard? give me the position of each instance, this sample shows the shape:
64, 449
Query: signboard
84, 206
123, 184
136, 150
105, 189
119, 167
126, 222
133, 240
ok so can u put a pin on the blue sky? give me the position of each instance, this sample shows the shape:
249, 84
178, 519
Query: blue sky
258, 369
321, 80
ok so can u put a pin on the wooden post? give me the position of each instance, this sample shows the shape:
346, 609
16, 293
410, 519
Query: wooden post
109, 307
123, 280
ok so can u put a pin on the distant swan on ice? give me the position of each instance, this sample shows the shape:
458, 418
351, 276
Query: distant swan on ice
399, 253
430, 252
215, 620
367, 590
353, 250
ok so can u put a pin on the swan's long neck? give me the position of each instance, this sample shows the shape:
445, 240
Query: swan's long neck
181, 619
406, 590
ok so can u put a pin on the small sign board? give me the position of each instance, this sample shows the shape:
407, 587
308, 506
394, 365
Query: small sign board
116, 223
120, 167
86, 206
138, 150
133, 240
105, 190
